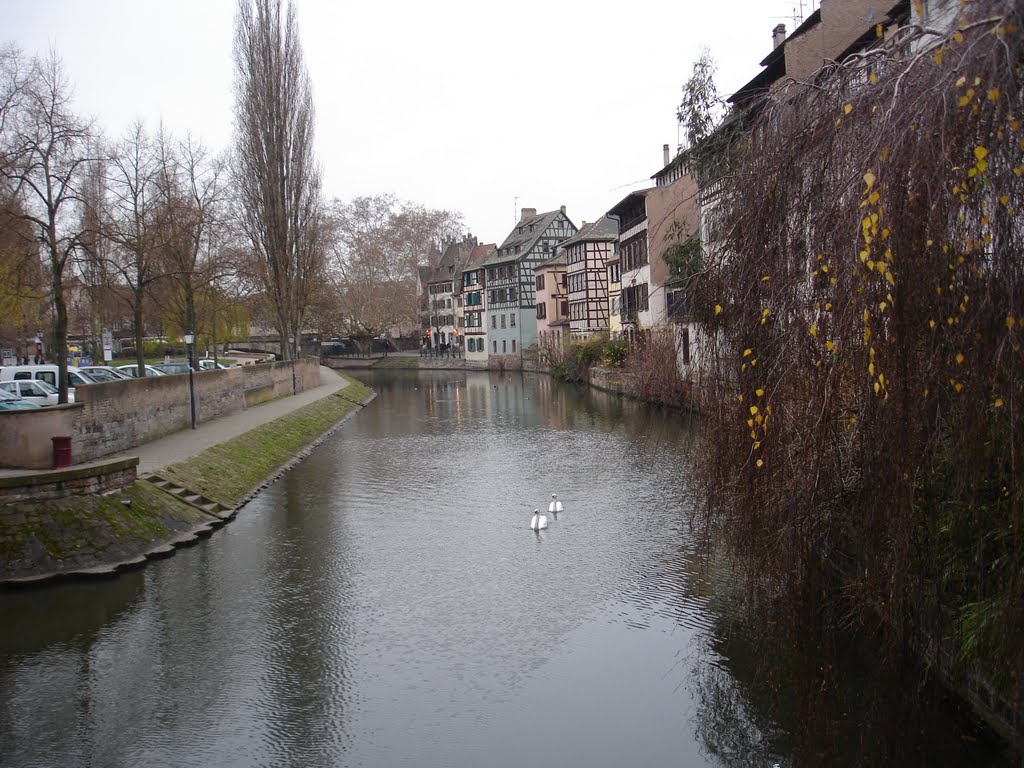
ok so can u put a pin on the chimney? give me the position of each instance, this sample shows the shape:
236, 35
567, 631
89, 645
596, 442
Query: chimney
664, 152
527, 213
563, 210
778, 35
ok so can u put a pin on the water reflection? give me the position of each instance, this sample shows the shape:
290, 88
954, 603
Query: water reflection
386, 602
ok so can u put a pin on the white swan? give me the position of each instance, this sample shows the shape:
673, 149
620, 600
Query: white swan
539, 521
555, 505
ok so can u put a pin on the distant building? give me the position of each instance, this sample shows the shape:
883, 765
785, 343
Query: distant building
443, 285
552, 302
473, 303
511, 314
586, 258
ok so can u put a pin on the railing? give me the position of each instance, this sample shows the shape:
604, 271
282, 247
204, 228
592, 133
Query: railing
453, 352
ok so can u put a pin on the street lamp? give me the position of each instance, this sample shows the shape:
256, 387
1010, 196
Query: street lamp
189, 338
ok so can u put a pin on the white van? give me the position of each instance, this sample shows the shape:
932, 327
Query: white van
47, 373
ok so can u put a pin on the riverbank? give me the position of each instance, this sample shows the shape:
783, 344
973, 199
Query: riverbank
87, 536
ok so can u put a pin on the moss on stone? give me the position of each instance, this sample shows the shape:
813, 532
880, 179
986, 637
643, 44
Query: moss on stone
228, 472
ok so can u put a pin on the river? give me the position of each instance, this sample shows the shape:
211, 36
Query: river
386, 603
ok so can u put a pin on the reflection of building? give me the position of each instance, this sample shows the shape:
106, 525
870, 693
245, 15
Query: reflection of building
511, 313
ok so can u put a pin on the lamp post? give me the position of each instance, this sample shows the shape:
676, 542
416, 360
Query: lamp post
189, 338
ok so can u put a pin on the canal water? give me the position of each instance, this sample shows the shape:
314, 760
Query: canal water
386, 603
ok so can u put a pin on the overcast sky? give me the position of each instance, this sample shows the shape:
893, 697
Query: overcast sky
458, 105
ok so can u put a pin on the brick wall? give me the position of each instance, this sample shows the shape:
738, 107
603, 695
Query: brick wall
68, 482
116, 416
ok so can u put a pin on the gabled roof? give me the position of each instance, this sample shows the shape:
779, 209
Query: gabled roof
558, 260
452, 261
479, 254
525, 237
605, 229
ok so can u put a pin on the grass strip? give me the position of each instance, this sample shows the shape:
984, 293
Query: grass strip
229, 471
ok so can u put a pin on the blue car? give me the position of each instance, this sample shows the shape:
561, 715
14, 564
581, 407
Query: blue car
9, 402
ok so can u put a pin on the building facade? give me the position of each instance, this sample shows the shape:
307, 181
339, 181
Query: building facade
511, 312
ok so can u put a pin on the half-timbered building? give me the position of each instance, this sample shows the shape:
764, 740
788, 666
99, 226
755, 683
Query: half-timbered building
552, 301
473, 302
586, 258
511, 313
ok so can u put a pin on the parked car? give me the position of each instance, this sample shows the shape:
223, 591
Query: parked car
172, 368
133, 370
208, 364
9, 402
34, 391
47, 373
104, 373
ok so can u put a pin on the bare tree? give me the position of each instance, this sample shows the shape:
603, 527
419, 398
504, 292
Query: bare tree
190, 193
45, 152
276, 176
377, 245
129, 223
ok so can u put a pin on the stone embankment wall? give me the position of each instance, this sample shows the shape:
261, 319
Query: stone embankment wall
94, 479
116, 416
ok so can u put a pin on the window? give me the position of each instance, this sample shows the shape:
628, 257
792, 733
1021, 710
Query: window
494, 321
511, 294
448, 305
502, 320
512, 320
540, 282
686, 346
613, 273
633, 253
513, 346
504, 346
494, 344
542, 310
563, 309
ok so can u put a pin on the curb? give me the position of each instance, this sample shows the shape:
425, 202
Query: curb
192, 536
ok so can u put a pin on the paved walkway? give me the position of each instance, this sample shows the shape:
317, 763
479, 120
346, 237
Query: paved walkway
157, 454
187, 443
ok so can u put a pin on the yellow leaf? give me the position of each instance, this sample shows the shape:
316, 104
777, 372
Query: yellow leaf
958, 386
814, 330
869, 179
999, 402
760, 463
1010, 321
753, 410
959, 358
759, 392
873, 78
980, 152
828, 306
993, 94
829, 346
931, 323
747, 352
718, 309
958, 36
740, 398
847, 109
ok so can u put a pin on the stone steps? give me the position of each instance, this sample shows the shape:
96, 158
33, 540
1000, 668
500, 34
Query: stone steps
210, 507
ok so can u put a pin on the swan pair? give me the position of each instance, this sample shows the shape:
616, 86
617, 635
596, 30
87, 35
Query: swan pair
540, 521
